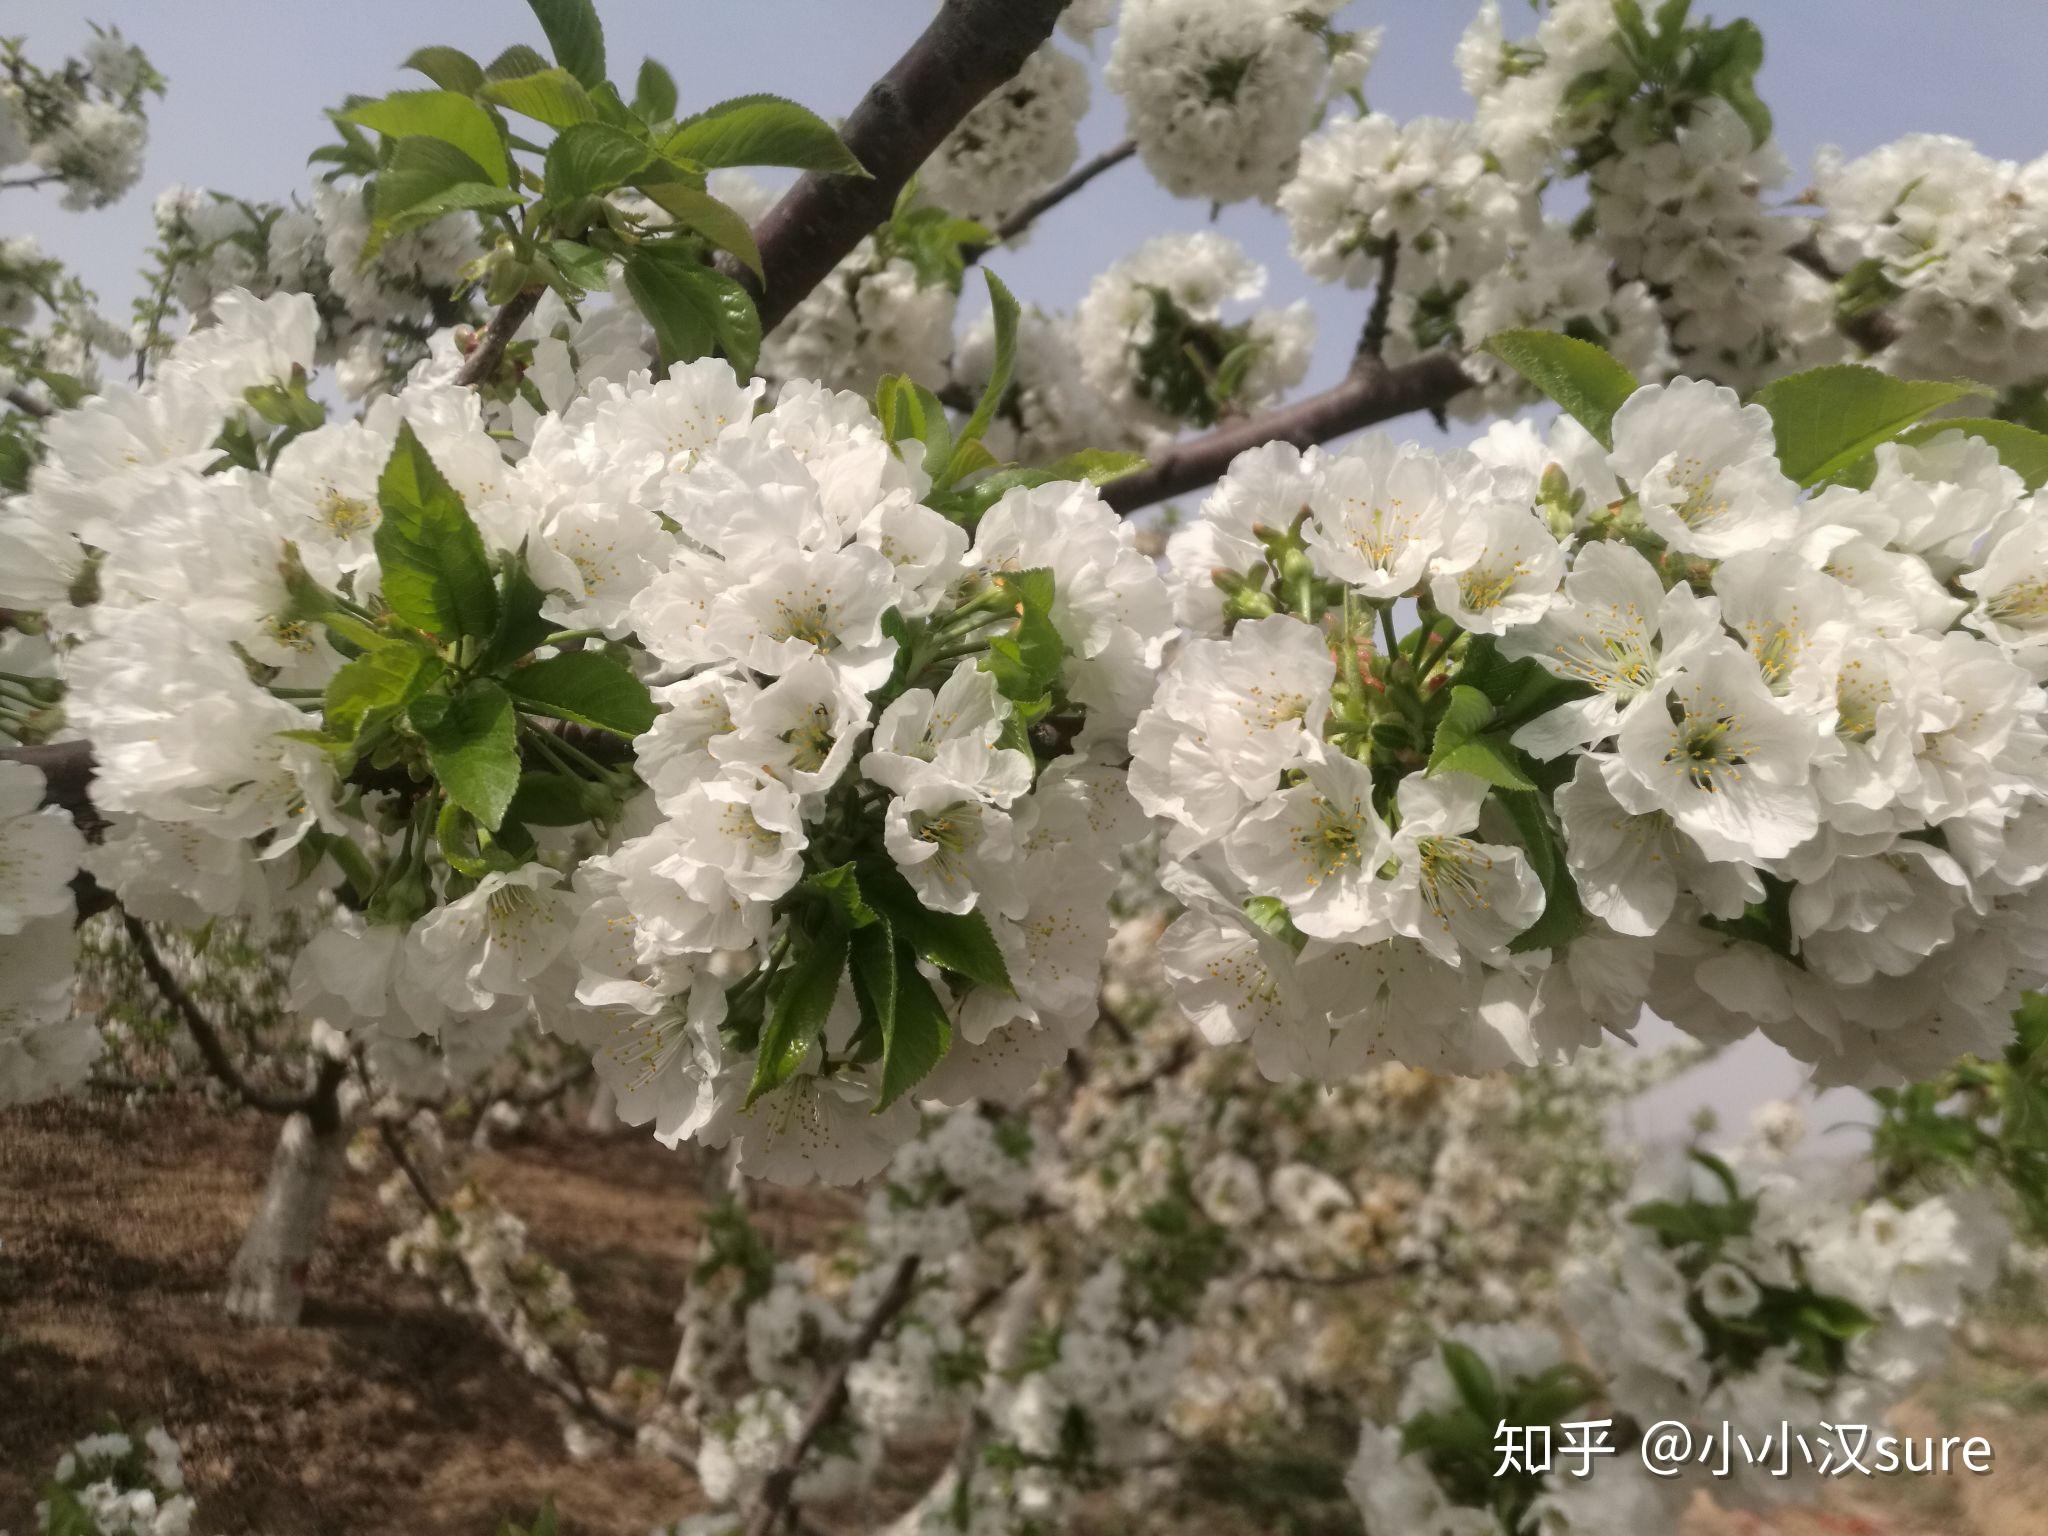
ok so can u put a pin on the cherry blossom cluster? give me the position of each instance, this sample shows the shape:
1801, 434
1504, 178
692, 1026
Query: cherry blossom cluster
1952, 247
378, 308
116, 1484
1219, 94
1154, 340
1668, 732
1015, 144
82, 125
1736, 1292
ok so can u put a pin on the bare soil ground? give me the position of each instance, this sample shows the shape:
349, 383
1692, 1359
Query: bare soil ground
386, 1412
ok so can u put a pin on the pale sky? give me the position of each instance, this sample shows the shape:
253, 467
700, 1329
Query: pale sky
249, 80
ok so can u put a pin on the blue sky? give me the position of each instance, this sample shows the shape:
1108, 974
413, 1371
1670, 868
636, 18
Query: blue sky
247, 87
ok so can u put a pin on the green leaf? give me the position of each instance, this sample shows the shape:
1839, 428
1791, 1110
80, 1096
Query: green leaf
1475, 1383
468, 197
694, 309
520, 627
1580, 377
514, 62
912, 413
872, 951
698, 211
445, 116
550, 96
1026, 662
584, 267
1464, 744
576, 36
2021, 449
1825, 419
807, 987
436, 575
587, 687
960, 943
472, 746
762, 130
654, 92
590, 159
1098, 466
420, 171
449, 68
1563, 916
559, 800
377, 685
916, 1033
841, 886
1004, 304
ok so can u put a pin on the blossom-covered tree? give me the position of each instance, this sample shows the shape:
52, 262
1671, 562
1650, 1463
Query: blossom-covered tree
592, 600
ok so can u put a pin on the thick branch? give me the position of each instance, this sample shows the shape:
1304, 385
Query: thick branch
829, 1402
489, 351
27, 403
1368, 395
1054, 195
219, 1060
971, 48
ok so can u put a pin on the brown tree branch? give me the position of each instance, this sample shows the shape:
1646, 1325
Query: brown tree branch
27, 403
829, 1401
67, 768
971, 48
318, 1102
1368, 395
483, 360
1031, 212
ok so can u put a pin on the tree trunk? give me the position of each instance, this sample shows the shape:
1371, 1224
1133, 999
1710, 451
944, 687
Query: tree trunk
267, 1281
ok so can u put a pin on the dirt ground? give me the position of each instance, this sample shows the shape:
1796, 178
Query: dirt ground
385, 1412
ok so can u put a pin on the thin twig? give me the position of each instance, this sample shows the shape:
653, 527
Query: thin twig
219, 1060
829, 1401
489, 351
1363, 398
1372, 344
1053, 196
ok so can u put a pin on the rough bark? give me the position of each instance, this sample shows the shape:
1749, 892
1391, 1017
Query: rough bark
971, 47
1369, 394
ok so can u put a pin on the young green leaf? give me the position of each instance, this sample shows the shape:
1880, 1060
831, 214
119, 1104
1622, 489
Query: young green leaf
436, 575
654, 92
871, 953
576, 36
516, 61
551, 96
700, 212
468, 197
916, 1033
1026, 662
520, 627
472, 747
1464, 744
449, 68
445, 116
694, 309
591, 159
377, 685
420, 171
1579, 376
961, 943
805, 992
547, 799
1004, 303
840, 885
581, 266
762, 130
586, 687
1826, 419
1563, 916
